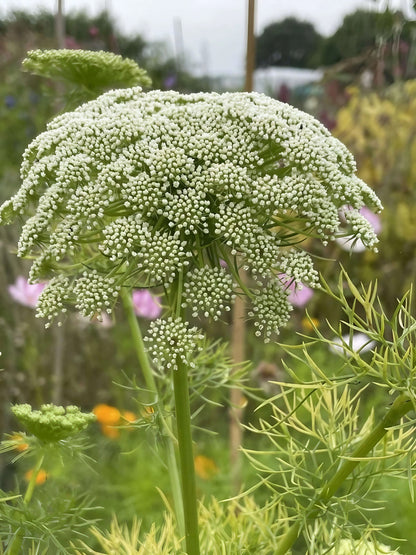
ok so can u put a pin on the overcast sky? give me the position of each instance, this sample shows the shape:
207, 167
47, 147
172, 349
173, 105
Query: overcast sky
213, 31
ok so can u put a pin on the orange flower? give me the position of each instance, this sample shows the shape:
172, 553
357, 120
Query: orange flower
110, 431
129, 416
107, 415
40, 478
21, 445
205, 467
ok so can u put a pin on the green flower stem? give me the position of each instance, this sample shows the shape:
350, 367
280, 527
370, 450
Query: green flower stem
138, 340
169, 439
32, 481
401, 406
184, 431
175, 483
183, 419
15, 546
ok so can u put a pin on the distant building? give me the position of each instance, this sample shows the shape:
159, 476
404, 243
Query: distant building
270, 80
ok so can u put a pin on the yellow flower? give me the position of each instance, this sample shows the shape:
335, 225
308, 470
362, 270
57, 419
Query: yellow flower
147, 412
40, 478
308, 324
205, 467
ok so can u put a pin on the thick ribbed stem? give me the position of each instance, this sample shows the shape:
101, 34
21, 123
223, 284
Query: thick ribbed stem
186, 457
399, 408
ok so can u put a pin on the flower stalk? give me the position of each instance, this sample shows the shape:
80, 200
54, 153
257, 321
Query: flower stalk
183, 419
169, 439
401, 406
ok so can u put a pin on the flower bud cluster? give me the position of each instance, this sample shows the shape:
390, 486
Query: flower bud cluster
170, 342
52, 423
209, 292
298, 265
95, 293
54, 298
270, 310
188, 209
361, 228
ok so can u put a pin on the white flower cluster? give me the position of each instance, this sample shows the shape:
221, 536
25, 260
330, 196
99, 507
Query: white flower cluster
361, 229
143, 186
53, 298
298, 265
208, 291
362, 547
271, 310
171, 341
95, 293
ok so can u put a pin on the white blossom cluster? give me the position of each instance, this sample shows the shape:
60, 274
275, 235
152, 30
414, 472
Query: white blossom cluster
362, 547
95, 293
208, 291
145, 186
54, 298
170, 341
299, 266
271, 310
361, 228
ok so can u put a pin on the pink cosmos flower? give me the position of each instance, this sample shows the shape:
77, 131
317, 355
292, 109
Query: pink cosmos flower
26, 293
374, 219
145, 304
94, 31
299, 294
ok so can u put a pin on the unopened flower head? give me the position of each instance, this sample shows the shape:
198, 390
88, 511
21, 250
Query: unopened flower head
52, 423
136, 188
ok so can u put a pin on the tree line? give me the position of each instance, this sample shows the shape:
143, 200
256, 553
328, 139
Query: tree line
295, 43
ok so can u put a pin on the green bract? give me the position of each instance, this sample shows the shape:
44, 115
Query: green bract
134, 189
52, 423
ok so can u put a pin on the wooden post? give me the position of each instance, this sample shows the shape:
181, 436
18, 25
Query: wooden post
251, 47
238, 341
60, 24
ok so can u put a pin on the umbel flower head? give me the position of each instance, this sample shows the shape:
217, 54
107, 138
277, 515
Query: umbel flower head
134, 189
52, 423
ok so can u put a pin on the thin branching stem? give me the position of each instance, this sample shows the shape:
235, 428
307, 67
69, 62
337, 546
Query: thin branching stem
15, 546
401, 406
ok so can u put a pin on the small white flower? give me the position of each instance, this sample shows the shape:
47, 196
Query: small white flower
358, 342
